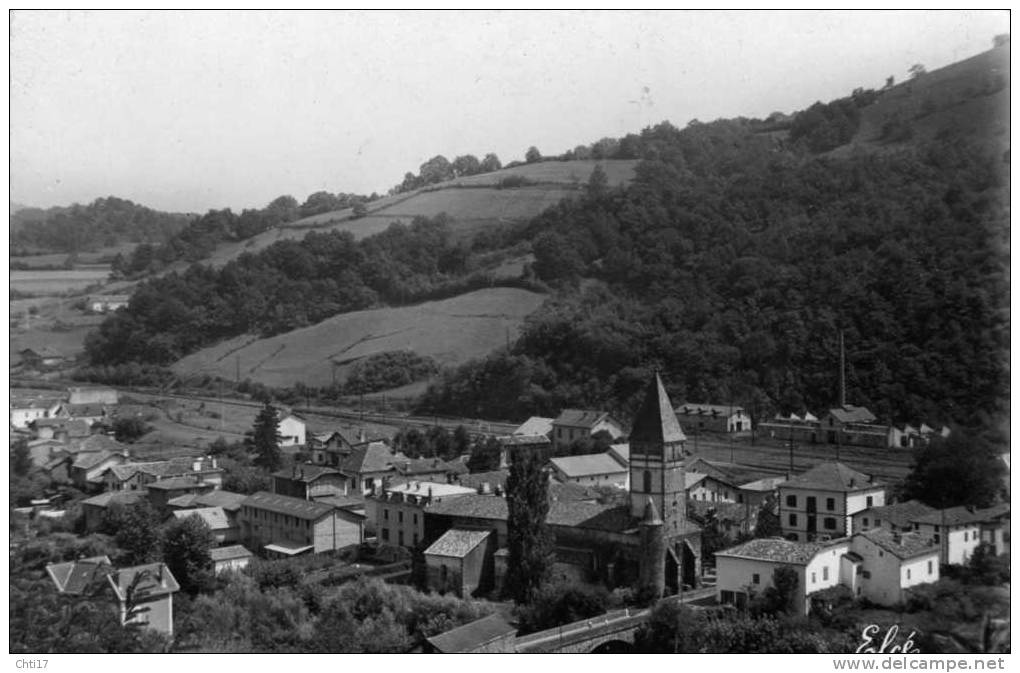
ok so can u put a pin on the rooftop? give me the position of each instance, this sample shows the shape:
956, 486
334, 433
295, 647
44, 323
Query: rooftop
151, 579
457, 542
900, 514
959, 516
412, 466
833, 477
435, 489
775, 550
580, 418
901, 545
655, 422
228, 500
588, 465
478, 479
176, 483
84, 410
234, 551
116, 498
282, 504
214, 517
306, 473
848, 413
568, 513
536, 425
524, 440
722, 410
766, 484
368, 458
75, 577
473, 635
87, 461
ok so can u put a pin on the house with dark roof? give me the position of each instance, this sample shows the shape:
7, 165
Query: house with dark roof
224, 529
131, 476
821, 502
573, 424
310, 482
87, 469
86, 576
721, 418
428, 469
146, 596
488, 635
456, 562
161, 492
597, 469
892, 562
368, 465
956, 530
90, 413
897, 517
94, 509
60, 429
284, 526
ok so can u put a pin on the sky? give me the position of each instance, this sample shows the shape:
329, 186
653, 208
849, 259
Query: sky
188, 111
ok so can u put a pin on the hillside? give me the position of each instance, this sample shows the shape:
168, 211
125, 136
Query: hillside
452, 331
473, 203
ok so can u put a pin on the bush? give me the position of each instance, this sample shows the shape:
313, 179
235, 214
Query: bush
557, 604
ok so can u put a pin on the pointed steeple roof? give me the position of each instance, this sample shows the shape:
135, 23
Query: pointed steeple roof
655, 422
651, 514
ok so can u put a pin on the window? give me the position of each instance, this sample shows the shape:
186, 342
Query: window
400, 516
930, 571
755, 578
791, 501
386, 514
829, 523
908, 573
870, 500
386, 534
865, 522
830, 504
936, 529
937, 537
878, 522
814, 578
400, 538
793, 519
964, 536
415, 538
825, 573
647, 481
867, 574
414, 518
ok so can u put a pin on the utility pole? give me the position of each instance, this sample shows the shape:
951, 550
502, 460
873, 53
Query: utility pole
237, 369
842, 371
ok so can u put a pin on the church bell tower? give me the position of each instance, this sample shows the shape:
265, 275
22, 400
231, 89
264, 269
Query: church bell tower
656, 461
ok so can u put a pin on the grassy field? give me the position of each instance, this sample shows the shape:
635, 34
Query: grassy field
474, 202
451, 331
52, 283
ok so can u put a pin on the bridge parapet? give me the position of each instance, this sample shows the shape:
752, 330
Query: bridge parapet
586, 634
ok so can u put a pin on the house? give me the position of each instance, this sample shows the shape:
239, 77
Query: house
96, 443
42, 451
488, 635
94, 509
310, 482
146, 596
508, 444
132, 476
428, 469
760, 491
889, 563
92, 395
87, 470
454, 563
897, 517
232, 558
286, 526
223, 529
821, 502
597, 469
706, 488
25, 411
493, 481
60, 429
534, 427
227, 501
956, 531
732, 519
793, 428
85, 576
41, 357
367, 465
574, 424
995, 528
398, 511
719, 418
91, 413
853, 425
744, 571
162, 491
292, 430
621, 453
332, 447
107, 303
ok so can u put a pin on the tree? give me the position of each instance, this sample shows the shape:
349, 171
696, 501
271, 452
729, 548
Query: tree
917, 70
962, 469
186, 545
529, 539
130, 429
467, 164
359, 209
461, 441
21, 460
485, 455
136, 529
436, 169
598, 182
532, 155
781, 596
265, 439
557, 604
490, 163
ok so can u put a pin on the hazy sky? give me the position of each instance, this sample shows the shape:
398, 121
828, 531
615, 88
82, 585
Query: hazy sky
189, 110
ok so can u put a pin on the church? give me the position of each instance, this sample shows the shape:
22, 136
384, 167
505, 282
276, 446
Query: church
645, 543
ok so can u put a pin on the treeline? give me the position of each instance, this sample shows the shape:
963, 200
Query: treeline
289, 285
440, 169
732, 264
105, 222
392, 369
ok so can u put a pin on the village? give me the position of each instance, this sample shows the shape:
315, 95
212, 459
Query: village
640, 510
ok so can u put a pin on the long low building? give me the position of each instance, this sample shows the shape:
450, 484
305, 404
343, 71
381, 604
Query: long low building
597, 469
286, 526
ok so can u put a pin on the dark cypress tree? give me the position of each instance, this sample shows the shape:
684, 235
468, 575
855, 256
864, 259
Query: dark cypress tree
266, 438
529, 539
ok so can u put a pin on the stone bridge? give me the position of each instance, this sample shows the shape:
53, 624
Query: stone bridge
610, 632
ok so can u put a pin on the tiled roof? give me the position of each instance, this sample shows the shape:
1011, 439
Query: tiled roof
75, 577
588, 465
471, 636
621, 452
153, 579
368, 458
214, 517
413, 466
833, 477
96, 443
655, 421
116, 498
729, 473
692, 479
534, 426
175, 483
282, 504
721, 410
476, 480
85, 410
580, 418
724, 511
346, 502
851, 414
524, 440
305, 473
959, 516
185, 501
569, 513
234, 551
900, 514
901, 545
457, 542
87, 461
760, 485
35, 402
775, 550
228, 500
574, 491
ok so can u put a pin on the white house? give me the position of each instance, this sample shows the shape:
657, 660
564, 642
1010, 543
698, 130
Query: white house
706, 488
821, 502
956, 531
24, 411
292, 430
597, 469
713, 418
574, 424
234, 557
885, 563
746, 570
897, 517
92, 395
